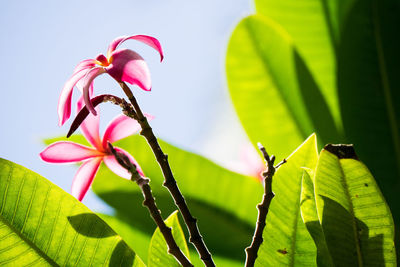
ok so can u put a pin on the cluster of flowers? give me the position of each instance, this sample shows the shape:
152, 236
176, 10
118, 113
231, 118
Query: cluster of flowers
123, 65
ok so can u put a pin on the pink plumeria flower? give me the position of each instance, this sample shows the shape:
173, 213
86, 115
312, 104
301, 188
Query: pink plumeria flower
67, 152
123, 65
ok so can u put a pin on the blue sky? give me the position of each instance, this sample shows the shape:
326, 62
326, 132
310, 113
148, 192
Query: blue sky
42, 41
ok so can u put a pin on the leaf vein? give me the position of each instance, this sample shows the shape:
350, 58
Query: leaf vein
42, 213
54, 224
18, 197
30, 204
394, 126
6, 190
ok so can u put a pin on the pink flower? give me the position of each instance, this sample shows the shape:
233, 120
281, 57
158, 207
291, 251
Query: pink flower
66, 152
123, 65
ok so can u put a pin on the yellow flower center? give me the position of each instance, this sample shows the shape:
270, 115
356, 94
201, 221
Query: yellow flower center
102, 61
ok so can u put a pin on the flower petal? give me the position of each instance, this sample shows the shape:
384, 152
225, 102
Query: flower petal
81, 101
90, 76
64, 102
81, 84
129, 66
150, 41
90, 128
85, 64
65, 151
84, 177
120, 127
115, 167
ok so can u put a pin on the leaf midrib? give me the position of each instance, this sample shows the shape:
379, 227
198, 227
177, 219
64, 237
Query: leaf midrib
353, 222
385, 84
295, 228
30, 244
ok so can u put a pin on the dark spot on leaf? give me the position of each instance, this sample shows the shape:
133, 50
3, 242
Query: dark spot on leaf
356, 195
342, 151
283, 251
366, 184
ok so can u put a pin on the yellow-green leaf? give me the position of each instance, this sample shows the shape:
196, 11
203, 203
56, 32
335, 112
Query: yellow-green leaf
158, 250
355, 219
43, 225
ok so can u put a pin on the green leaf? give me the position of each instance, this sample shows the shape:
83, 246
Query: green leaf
370, 96
42, 224
286, 239
275, 96
355, 219
336, 14
224, 202
309, 215
314, 27
158, 250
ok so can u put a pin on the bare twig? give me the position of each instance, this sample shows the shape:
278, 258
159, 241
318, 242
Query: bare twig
149, 202
263, 207
84, 112
170, 182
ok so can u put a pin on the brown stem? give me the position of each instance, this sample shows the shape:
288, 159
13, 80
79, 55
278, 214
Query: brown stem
84, 112
150, 204
252, 250
170, 183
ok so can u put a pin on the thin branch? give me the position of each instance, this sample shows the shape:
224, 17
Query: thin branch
170, 183
150, 204
252, 250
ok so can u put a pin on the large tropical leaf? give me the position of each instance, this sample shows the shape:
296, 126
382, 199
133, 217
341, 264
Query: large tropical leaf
158, 250
286, 239
274, 93
42, 224
223, 201
314, 27
355, 219
369, 91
